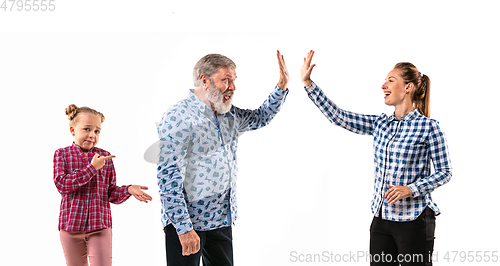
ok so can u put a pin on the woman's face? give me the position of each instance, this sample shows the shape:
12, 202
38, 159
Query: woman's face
395, 89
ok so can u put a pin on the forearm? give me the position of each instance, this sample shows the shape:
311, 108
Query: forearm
118, 194
172, 158
327, 107
430, 183
255, 119
172, 198
357, 123
69, 182
439, 155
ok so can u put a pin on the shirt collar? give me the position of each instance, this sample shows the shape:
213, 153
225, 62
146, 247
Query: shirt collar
76, 147
407, 117
203, 107
194, 100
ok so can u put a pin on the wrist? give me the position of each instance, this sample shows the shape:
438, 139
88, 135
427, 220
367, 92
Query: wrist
282, 85
307, 83
413, 190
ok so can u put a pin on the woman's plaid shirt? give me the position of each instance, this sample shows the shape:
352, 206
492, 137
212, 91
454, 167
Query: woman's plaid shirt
85, 191
403, 149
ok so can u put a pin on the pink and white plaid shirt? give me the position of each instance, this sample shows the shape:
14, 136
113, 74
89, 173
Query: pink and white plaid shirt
86, 192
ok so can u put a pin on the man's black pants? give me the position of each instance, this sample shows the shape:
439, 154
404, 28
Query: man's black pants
216, 248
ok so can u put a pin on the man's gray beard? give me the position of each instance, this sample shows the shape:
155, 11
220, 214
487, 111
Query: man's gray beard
216, 98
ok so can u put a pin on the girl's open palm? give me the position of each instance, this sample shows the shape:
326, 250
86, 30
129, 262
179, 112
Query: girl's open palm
136, 191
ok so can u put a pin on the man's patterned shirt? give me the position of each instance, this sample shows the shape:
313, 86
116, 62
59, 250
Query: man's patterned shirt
197, 169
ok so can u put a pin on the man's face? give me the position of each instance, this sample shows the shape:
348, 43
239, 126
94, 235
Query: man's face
221, 89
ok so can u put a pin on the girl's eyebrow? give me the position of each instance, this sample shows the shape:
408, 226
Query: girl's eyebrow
92, 126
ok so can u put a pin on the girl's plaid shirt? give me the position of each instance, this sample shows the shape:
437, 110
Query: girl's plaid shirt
85, 191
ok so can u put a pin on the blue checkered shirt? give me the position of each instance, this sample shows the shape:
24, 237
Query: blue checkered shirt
403, 150
197, 167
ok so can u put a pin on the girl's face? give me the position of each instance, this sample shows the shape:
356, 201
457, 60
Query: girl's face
86, 130
395, 89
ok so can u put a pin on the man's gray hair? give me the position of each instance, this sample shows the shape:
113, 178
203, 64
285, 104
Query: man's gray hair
209, 65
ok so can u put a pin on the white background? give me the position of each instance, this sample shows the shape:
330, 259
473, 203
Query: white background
304, 185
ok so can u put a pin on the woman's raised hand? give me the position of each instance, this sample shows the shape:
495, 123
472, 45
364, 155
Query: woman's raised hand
306, 69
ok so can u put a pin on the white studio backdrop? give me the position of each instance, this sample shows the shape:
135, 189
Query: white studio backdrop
304, 184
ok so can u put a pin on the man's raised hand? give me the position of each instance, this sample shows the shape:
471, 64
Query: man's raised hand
283, 72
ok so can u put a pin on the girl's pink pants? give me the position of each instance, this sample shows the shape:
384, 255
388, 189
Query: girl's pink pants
80, 249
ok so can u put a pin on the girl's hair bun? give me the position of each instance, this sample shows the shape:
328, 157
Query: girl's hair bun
72, 111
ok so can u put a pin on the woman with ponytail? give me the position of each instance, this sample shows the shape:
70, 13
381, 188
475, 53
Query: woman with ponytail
405, 144
421, 83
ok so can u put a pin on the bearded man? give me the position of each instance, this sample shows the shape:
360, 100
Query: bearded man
197, 169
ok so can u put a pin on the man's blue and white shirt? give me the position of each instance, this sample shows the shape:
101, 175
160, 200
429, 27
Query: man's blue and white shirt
197, 169
403, 151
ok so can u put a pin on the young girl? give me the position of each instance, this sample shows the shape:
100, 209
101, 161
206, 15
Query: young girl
85, 177
405, 144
